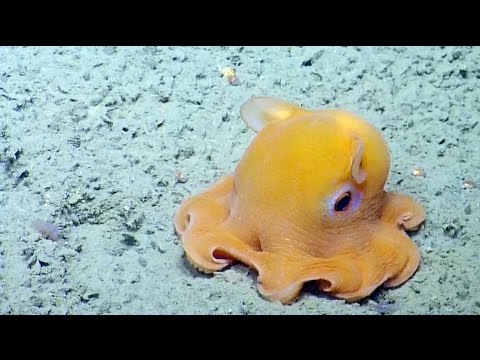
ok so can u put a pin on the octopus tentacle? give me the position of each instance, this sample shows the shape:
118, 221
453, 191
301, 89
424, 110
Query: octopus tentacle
281, 277
207, 210
208, 238
390, 258
403, 211
216, 250
406, 258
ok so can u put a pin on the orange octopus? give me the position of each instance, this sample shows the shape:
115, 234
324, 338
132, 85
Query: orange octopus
305, 203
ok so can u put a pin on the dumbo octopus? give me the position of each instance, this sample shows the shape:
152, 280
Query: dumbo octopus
305, 203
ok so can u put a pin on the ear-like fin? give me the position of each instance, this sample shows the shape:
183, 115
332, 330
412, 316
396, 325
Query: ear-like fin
358, 174
258, 111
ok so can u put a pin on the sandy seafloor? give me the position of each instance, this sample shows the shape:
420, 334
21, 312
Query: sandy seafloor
93, 139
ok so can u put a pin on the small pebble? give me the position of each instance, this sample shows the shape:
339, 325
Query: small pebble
469, 184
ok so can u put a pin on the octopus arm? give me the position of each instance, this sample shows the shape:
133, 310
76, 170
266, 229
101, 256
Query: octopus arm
403, 211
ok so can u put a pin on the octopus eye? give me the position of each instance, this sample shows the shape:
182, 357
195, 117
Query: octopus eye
343, 201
